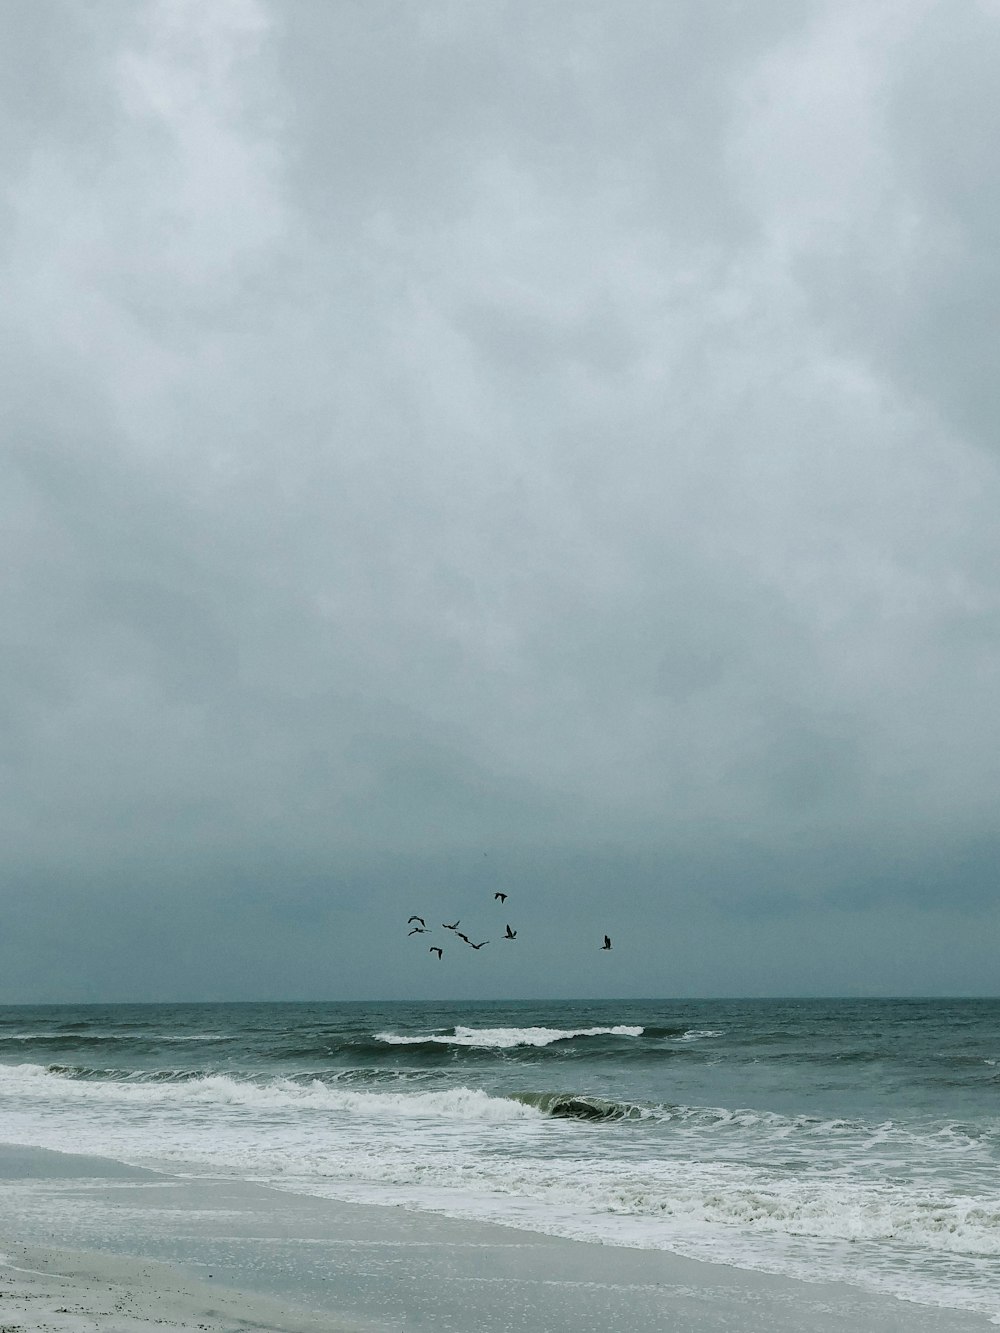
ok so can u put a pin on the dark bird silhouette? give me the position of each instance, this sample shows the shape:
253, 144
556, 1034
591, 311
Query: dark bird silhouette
501, 896
418, 930
607, 942
416, 918
439, 952
511, 934
480, 945
463, 937
453, 926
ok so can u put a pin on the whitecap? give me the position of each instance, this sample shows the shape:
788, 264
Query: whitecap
505, 1038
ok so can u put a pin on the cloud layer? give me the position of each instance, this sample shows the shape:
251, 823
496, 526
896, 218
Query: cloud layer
565, 433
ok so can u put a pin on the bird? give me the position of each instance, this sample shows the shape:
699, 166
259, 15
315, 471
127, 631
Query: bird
480, 945
439, 952
462, 936
607, 942
416, 918
418, 930
454, 925
511, 934
501, 896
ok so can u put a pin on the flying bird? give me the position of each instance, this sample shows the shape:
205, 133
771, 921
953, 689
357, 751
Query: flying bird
462, 936
480, 945
607, 942
418, 930
416, 918
511, 934
501, 896
453, 926
439, 952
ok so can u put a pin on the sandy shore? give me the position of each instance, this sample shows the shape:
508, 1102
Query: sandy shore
54, 1291
200, 1246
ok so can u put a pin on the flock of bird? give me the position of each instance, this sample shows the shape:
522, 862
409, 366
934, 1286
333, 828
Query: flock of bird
420, 927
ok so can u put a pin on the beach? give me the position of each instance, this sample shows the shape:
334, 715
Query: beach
45, 1290
493, 1167
91, 1243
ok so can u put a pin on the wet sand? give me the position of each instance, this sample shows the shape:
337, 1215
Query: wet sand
223, 1255
43, 1290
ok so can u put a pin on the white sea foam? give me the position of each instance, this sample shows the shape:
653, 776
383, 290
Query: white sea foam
505, 1038
272, 1095
733, 1131
681, 1198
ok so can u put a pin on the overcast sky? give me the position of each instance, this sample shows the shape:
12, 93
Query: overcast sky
545, 445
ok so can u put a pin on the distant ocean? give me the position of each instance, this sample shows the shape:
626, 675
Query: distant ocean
844, 1139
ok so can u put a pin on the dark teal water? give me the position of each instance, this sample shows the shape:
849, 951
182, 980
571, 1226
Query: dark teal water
842, 1138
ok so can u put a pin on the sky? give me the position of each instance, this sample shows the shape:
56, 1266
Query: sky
540, 447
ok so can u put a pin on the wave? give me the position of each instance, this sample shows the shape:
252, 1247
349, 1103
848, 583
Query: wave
364, 1076
337, 1091
64, 1038
684, 1033
506, 1038
186, 1086
618, 1041
82, 1039
733, 1134
568, 1106
224, 1090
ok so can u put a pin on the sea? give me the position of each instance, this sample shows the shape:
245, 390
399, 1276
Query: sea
854, 1140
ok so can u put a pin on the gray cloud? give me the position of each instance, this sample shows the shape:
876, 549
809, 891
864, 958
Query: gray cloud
555, 432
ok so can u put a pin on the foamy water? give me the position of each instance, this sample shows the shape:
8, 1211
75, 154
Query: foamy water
818, 1140
506, 1038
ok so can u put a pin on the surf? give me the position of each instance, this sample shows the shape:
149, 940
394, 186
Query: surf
506, 1038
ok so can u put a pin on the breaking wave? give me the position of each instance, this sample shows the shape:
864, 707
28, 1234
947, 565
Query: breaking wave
392, 1095
506, 1038
274, 1094
187, 1087
567, 1106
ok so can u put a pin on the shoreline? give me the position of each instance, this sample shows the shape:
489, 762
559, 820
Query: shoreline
104, 1240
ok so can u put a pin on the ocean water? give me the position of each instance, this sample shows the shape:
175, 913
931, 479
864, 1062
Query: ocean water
846, 1139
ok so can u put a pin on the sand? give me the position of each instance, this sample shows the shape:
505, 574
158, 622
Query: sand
226, 1255
44, 1290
